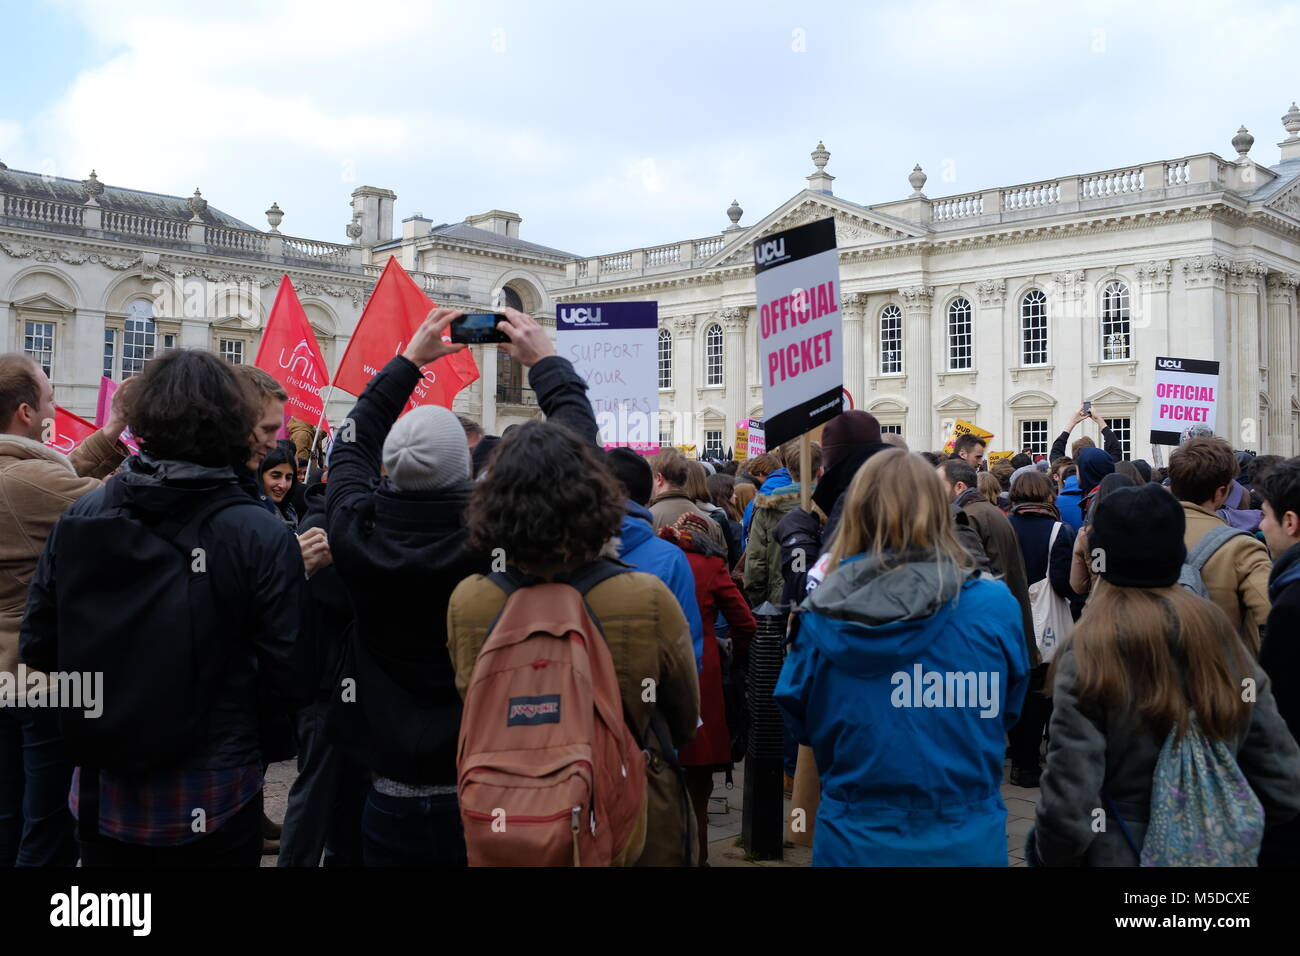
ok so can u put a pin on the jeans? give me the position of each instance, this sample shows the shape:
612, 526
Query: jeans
326, 800
237, 842
1026, 737
36, 827
412, 831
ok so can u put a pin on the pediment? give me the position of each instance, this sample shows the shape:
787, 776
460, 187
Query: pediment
45, 303
1110, 395
957, 403
711, 412
1031, 398
887, 405
1287, 202
854, 226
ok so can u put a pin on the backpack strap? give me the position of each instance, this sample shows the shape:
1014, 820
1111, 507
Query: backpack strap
1209, 544
586, 578
1128, 835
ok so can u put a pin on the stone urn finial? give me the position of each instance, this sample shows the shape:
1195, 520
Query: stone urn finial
821, 156
275, 216
354, 229
92, 188
734, 212
917, 179
198, 205
1242, 143
1291, 122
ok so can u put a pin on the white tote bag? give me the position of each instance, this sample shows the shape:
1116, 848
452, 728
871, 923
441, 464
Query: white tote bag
1052, 619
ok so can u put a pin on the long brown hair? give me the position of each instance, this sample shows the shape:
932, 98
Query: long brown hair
897, 504
1165, 652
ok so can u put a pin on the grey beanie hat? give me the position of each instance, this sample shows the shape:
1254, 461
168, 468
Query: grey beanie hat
426, 450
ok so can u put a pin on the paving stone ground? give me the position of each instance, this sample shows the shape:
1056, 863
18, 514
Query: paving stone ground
724, 819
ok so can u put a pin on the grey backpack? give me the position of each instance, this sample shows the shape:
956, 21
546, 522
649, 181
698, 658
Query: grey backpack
1190, 576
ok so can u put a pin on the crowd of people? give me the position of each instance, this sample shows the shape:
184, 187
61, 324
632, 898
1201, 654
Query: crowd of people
526, 649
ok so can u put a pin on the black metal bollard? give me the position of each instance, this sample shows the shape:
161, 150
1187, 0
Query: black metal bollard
763, 819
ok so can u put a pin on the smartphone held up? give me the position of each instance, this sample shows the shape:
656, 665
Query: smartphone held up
476, 328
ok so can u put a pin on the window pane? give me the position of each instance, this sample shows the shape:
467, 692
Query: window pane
1123, 429
891, 429
110, 350
1033, 328
713, 355
959, 335
139, 337
665, 435
665, 359
38, 342
232, 350
891, 340
1115, 327
1033, 435
713, 444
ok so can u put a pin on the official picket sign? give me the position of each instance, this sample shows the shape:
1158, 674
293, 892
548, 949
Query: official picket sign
1186, 393
614, 345
750, 441
801, 344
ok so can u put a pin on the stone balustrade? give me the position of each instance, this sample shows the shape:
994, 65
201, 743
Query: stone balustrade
43, 211
437, 286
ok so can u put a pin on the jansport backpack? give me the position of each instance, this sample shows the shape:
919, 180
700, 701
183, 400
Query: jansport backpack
1190, 575
549, 773
136, 605
1203, 811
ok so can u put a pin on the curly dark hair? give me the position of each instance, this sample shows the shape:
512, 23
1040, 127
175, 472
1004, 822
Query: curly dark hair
548, 500
188, 406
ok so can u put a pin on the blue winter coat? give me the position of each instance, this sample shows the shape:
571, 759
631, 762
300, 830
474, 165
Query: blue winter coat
640, 548
777, 479
904, 683
1067, 503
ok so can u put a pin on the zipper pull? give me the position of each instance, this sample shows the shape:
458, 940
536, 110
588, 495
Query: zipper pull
575, 819
593, 822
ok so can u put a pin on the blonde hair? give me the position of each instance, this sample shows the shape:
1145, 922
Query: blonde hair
897, 504
745, 492
989, 486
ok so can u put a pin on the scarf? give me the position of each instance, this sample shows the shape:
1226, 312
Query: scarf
1036, 508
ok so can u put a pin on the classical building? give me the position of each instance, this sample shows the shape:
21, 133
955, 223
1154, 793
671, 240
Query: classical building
1007, 307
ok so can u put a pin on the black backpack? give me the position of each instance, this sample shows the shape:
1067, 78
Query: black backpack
136, 604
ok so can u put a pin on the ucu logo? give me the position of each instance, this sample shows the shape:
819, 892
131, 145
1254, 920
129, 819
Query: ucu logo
301, 355
1169, 363
581, 315
769, 252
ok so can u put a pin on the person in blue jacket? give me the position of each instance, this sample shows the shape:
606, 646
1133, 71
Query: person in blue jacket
1067, 502
641, 548
777, 479
904, 672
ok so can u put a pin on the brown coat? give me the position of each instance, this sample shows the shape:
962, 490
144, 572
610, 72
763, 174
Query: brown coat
37, 484
670, 506
648, 639
1005, 557
1236, 575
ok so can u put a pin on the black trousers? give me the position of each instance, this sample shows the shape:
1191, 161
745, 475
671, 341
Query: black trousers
237, 842
1027, 735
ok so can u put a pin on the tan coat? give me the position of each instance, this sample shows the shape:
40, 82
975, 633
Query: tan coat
670, 506
37, 484
648, 637
1236, 575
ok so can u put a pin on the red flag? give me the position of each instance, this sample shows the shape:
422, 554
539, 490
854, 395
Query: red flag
395, 310
69, 430
107, 387
290, 353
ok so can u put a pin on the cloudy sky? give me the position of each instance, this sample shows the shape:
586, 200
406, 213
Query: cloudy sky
611, 126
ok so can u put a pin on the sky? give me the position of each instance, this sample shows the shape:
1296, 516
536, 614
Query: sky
614, 126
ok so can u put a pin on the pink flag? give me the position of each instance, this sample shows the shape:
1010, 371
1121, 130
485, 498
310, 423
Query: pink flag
102, 407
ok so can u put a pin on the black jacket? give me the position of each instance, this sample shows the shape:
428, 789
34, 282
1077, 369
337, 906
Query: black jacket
1280, 658
259, 583
799, 534
400, 555
330, 614
835, 481
1109, 443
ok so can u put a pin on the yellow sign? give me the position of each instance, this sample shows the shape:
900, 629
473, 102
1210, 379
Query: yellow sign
963, 427
742, 444
995, 456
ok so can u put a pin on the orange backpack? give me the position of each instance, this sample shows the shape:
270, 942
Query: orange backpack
549, 772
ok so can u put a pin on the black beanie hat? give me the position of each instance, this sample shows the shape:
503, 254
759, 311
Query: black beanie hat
1140, 533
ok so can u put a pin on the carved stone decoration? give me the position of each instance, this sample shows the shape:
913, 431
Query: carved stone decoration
991, 291
275, 216
1206, 270
197, 204
23, 250
354, 228
1071, 284
917, 296
733, 320
917, 180
854, 305
820, 156
1155, 274
1246, 274
1291, 123
1242, 143
1288, 202
684, 324
92, 188
734, 212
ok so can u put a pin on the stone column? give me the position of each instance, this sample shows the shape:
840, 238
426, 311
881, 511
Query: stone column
1244, 284
990, 354
1281, 328
917, 350
734, 321
854, 305
82, 362
1206, 334
487, 364
684, 379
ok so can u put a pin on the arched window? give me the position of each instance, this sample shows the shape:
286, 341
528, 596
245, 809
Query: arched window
713, 355
1033, 328
959, 335
510, 299
139, 337
665, 359
891, 340
1115, 326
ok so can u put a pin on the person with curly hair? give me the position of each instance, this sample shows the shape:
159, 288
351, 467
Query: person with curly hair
552, 508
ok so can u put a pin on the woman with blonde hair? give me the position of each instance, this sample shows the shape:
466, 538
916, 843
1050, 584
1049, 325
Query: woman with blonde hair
905, 671
1152, 671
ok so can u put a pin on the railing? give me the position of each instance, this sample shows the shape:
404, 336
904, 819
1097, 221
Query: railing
148, 227
239, 240
708, 247
1111, 184
1178, 173
43, 210
958, 207
515, 395
663, 255
435, 284
1030, 197
314, 251
619, 262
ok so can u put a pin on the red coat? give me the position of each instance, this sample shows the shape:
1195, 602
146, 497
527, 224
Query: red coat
715, 590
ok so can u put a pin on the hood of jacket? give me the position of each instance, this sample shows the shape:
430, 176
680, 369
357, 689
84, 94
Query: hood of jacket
159, 486
884, 616
21, 448
1246, 519
1071, 487
836, 479
783, 499
1286, 571
1094, 465
422, 526
777, 479
637, 527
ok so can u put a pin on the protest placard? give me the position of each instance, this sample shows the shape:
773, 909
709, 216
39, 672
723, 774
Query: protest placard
993, 457
1186, 393
963, 427
801, 345
750, 439
613, 346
